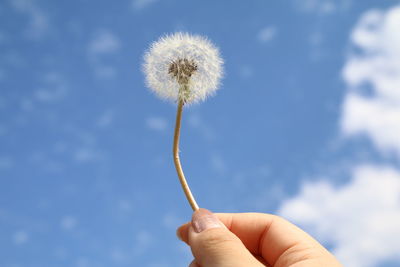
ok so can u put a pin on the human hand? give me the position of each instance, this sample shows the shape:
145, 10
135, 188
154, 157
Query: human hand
250, 240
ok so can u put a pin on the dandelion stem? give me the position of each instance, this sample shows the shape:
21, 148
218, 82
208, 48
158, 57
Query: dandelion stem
177, 161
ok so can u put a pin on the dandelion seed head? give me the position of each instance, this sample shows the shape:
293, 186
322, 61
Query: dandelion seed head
183, 67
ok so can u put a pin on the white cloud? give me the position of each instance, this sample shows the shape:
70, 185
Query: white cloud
5, 162
83, 262
88, 154
156, 123
361, 219
266, 34
2, 102
2, 75
103, 44
118, 256
218, 163
38, 23
376, 118
54, 88
323, 7
374, 66
320, 6
3, 131
3, 38
316, 39
140, 4
125, 206
144, 240
105, 72
246, 71
106, 119
45, 162
378, 63
200, 125
14, 59
26, 104
20, 237
84, 149
172, 221
68, 223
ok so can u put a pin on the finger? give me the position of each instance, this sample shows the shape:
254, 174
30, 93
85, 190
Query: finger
213, 245
249, 227
266, 235
193, 264
182, 232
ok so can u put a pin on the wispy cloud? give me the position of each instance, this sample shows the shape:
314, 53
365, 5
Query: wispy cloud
5, 161
20, 237
316, 41
85, 148
88, 154
170, 220
360, 218
38, 23
2, 75
322, 7
3, 131
196, 122
144, 240
3, 37
372, 73
218, 163
68, 222
105, 119
103, 44
50, 89
266, 34
246, 71
156, 123
140, 4
54, 88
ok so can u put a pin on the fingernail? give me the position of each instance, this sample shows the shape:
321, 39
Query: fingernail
203, 219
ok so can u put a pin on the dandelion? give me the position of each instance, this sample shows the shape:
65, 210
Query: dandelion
185, 69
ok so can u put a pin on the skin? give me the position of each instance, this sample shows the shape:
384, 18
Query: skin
251, 240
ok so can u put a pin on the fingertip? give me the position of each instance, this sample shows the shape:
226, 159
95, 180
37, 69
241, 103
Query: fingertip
200, 213
182, 232
203, 219
193, 264
178, 234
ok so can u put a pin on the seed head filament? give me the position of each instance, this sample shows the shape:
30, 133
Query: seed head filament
182, 69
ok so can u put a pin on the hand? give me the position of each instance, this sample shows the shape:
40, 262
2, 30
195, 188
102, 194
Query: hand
250, 240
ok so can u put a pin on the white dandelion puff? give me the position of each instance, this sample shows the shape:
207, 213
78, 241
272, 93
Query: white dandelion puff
186, 69
183, 67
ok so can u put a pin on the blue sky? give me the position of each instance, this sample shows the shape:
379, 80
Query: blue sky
305, 125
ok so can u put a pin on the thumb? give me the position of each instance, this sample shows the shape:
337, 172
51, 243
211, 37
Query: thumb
213, 244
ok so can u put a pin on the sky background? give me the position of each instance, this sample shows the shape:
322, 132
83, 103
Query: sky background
305, 125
